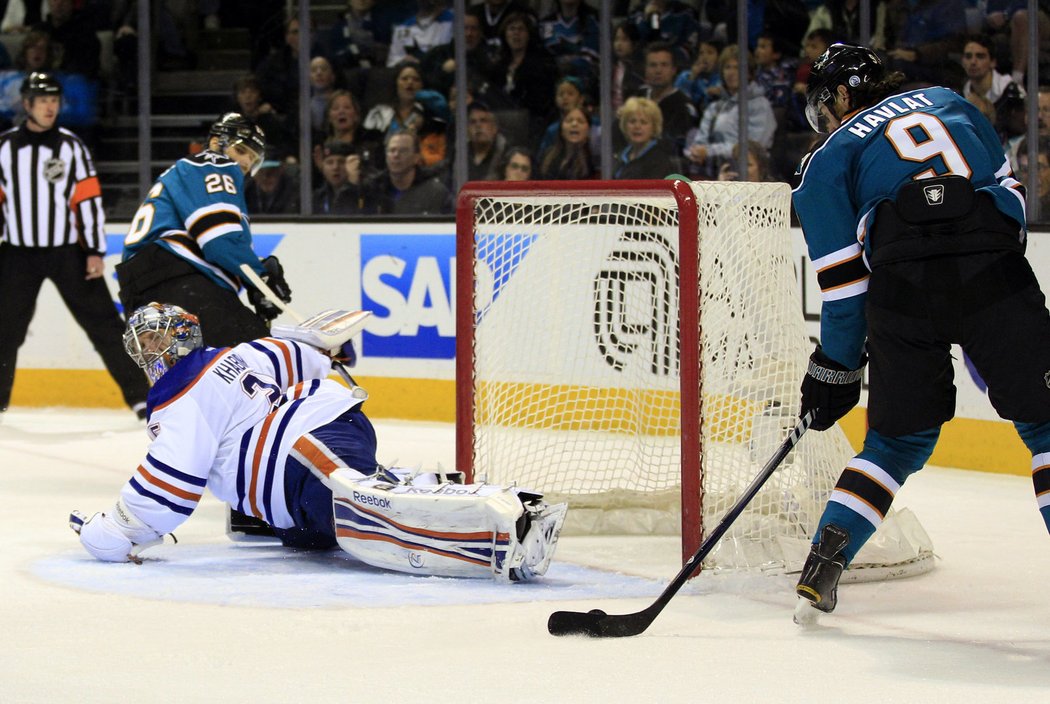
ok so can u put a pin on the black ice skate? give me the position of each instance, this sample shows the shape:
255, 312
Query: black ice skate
820, 575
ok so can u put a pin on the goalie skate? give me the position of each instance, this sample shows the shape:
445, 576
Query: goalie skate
539, 529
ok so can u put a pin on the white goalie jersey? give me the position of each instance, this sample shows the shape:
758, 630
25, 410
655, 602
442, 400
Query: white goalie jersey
225, 419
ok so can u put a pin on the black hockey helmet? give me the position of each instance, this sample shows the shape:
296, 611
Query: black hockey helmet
234, 128
38, 83
840, 65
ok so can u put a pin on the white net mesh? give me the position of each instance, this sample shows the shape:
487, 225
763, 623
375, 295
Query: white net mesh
576, 379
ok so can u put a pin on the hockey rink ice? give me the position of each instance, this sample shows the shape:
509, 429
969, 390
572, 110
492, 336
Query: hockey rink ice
210, 620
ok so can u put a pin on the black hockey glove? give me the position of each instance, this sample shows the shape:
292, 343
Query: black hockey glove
829, 389
274, 278
273, 275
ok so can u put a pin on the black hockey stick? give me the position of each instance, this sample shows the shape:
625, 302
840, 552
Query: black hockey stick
599, 624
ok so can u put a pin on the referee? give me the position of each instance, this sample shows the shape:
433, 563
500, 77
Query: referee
53, 228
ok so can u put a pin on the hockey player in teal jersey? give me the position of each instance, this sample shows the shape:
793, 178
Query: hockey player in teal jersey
916, 227
190, 236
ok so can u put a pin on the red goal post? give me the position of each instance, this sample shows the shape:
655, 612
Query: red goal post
635, 348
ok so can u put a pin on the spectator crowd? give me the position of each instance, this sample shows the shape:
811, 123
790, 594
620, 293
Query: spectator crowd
383, 95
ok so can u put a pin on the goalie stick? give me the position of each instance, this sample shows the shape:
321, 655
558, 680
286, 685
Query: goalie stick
266, 291
598, 624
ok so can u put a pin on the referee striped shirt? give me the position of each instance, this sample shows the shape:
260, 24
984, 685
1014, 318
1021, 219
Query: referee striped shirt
50, 194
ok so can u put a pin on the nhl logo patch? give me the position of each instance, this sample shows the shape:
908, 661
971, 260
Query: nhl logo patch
54, 170
934, 194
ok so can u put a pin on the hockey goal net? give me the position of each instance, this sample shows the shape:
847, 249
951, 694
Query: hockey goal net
636, 348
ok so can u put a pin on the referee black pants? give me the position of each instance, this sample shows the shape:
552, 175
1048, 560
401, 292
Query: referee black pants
22, 273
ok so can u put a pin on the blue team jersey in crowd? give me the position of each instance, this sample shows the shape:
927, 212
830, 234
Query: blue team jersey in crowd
916, 134
196, 210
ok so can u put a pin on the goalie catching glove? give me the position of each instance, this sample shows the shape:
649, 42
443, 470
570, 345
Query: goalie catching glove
273, 275
116, 536
829, 389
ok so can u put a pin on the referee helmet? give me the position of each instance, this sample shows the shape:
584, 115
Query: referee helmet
39, 83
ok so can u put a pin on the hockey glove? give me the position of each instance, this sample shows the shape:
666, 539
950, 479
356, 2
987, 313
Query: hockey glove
273, 275
829, 389
117, 536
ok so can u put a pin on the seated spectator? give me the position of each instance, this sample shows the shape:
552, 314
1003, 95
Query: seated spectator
922, 36
1044, 110
788, 19
278, 74
713, 141
248, 101
568, 95
979, 63
774, 71
524, 74
75, 39
516, 165
37, 53
570, 157
439, 64
646, 155
485, 144
701, 82
430, 27
353, 40
404, 188
669, 22
413, 104
170, 42
627, 52
757, 164
332, 197
570, 35
343, 126
493, 12
274, 189
842, 19
1043, 162
324, 80
678, 111
1007, 21
816, 43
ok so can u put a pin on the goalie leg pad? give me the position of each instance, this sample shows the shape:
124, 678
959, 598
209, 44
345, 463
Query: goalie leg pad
450, 530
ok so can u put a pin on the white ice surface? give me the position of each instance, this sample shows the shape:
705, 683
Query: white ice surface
209, 620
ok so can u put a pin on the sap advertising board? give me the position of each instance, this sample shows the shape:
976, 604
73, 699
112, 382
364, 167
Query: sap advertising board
407, 283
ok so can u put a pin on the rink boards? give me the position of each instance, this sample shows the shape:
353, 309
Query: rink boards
403, 273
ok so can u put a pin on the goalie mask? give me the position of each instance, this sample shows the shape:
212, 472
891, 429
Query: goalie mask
159, 335
841, 65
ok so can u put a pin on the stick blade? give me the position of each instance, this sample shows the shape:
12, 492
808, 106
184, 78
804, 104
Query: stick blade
596, 624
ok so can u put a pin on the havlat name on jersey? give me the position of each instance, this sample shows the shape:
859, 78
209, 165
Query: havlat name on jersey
888, 111
230, 368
